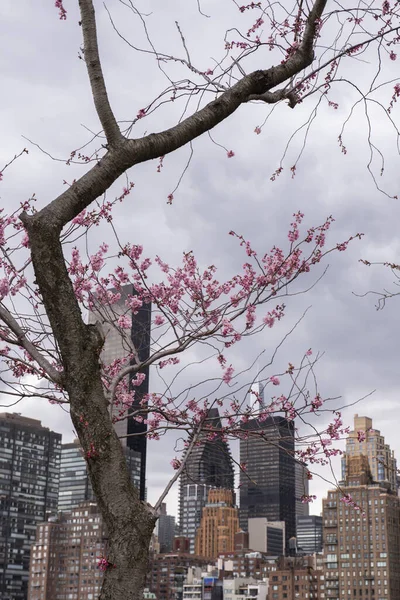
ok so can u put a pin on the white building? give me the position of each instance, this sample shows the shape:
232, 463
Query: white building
245, 588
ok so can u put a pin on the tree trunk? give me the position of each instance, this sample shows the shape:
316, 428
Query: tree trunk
129, 521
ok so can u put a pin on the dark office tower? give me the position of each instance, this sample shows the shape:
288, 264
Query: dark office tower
208, 466
140, 333
267, 487
309, 534
29, 476
116, 347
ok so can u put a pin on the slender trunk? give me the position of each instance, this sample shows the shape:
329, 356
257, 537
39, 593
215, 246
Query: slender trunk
129, 521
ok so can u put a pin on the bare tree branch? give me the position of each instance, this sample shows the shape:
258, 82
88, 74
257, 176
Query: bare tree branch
92, 59
9, 320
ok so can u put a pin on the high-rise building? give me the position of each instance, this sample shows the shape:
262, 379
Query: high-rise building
302, 489
309, 534
219, 524
117, 347
75, 486
267, 484
362, 546
366, 441
65, 555
267, 536
29, 478
208, 466
165, 530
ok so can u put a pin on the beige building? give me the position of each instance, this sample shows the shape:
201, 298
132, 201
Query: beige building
63, 564
219, 523
367, 441
361, 546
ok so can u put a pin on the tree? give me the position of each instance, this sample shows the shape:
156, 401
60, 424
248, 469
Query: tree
49, 338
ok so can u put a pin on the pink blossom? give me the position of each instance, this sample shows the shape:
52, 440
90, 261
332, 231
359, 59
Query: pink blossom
159, 320
230, 154
176, 463
309, 352
306, 498
138, 380
316, 403
125, 322
392, 55
257, 130
4, 287
274, 380
62, 12
228, 374
361, 435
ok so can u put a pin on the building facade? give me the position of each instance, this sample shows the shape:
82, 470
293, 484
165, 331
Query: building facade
29, 479
64, 557
309, 534
165, 530
75, 486
302, 489
267, 536
362, 546
167, 574
368, 442
267, 486
117, 347
219, 524
208, 466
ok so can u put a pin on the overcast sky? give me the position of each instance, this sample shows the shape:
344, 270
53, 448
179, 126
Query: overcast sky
46, 97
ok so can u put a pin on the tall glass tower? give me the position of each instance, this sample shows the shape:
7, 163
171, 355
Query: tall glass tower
268, 485
29, 477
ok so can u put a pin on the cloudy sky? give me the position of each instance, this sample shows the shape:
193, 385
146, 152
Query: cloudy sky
46, 98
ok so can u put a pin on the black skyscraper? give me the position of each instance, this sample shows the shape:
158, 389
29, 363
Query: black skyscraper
209, 466
140, 333
267, 487
117, 347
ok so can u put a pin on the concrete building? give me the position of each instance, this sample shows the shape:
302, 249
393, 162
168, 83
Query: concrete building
117, 347
245, 588
202, 584
165, 530
29, 479
64, 557
208, 466
368, 442
309, 534
75, 486
219, 524
362, 546
246, 564
267, 487
267, 536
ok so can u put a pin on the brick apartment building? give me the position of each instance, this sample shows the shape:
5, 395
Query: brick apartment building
64, 557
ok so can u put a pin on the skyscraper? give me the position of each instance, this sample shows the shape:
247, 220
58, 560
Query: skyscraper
309, 534
75, 486
302, 489
29, 478
208, 466
366, 441
219, 524
362, 547
165, 530
116, 347
267, 485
